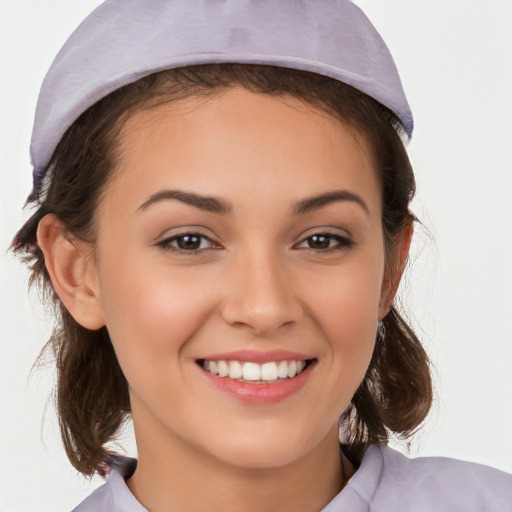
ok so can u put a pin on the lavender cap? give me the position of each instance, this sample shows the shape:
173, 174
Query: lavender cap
124, 40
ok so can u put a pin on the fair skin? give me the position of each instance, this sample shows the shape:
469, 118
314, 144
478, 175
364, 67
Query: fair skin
257, 276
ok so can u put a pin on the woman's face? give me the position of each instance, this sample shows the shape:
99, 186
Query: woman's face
241, 234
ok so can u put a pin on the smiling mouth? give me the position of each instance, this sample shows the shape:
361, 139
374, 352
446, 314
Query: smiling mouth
254, 373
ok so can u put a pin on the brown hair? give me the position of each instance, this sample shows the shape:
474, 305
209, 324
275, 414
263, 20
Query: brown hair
91, 392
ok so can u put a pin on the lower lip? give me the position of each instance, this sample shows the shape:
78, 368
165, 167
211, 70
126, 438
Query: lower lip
258, 392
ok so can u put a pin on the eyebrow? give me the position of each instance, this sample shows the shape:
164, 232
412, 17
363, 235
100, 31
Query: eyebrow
316, 202
222, 207
206, 203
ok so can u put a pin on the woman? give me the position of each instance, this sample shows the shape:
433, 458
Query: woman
255, 194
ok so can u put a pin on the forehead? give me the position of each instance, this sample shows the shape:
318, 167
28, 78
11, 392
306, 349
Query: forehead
255, 141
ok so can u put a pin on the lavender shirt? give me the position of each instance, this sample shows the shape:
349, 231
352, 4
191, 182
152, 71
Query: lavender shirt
386, 481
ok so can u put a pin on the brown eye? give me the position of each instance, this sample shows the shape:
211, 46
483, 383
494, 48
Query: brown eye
326, 242
319, 241
187, 242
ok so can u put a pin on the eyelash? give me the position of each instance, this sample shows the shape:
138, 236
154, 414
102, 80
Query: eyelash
166, 244
344, 243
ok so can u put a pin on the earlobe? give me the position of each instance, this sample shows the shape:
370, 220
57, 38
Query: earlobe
69, 265
395, 269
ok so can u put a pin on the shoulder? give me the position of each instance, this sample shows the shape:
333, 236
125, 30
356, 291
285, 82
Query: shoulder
114, 496
101, 500
446, 484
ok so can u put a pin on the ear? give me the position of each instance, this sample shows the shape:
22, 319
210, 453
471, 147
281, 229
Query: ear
72, 272
397, 258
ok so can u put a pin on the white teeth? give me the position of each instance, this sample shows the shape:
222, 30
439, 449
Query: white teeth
292, 369
249, 371
235, 370
269, 371
222, 368
282, 370
252, 371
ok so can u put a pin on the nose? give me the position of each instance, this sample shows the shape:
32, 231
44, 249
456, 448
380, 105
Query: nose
260, 296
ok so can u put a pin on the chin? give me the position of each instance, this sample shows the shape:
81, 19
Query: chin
278, 449
245, 457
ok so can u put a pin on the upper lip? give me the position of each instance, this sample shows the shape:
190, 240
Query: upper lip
258, 356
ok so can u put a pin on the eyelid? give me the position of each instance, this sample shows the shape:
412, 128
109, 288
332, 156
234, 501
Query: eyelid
326, 230
345, 241
165, 242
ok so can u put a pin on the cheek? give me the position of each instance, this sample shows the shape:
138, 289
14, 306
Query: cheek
346, 308
351, 331
149, 310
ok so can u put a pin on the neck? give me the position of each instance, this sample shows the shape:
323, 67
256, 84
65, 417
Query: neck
178, 476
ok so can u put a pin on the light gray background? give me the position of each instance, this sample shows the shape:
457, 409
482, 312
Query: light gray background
455, 58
